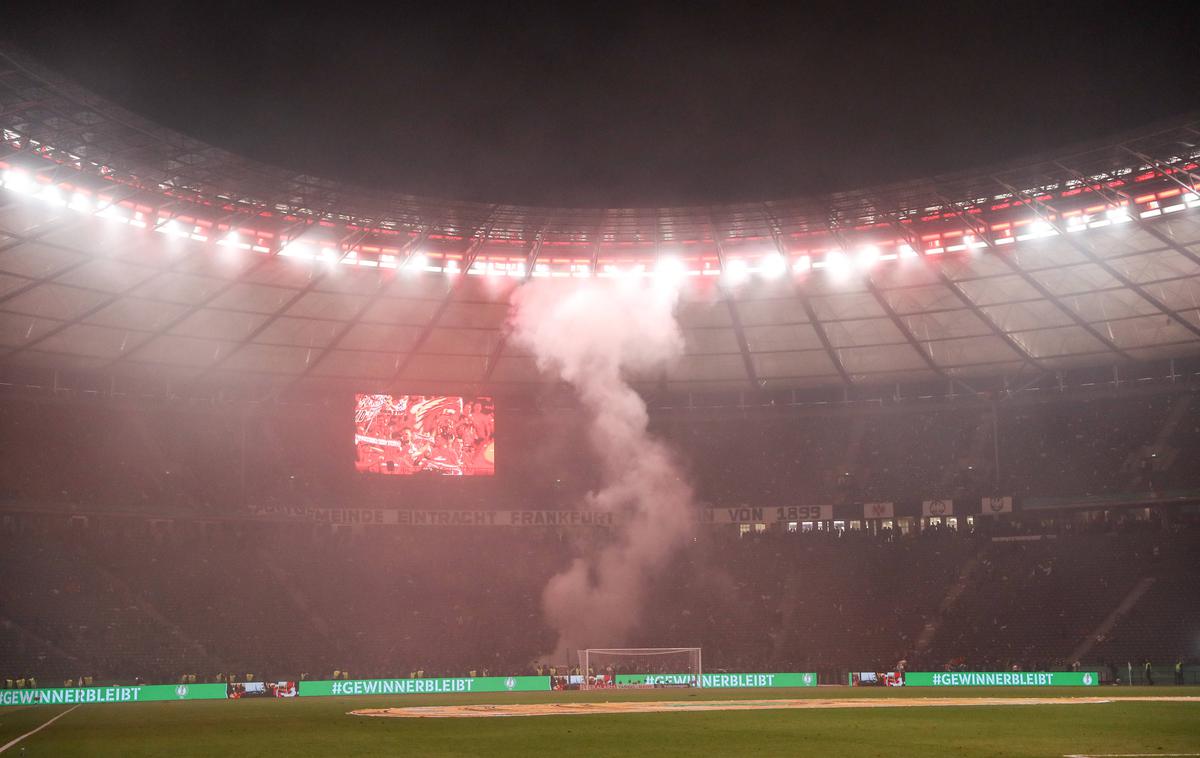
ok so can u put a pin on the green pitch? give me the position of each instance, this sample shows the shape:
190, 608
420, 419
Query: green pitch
321, 727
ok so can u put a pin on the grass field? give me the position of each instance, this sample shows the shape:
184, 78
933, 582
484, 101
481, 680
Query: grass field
322, 727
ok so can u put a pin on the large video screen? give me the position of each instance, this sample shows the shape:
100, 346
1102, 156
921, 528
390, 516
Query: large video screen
401, 435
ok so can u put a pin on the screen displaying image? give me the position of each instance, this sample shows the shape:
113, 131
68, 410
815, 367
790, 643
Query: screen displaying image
401, 435
877, 679
240, 690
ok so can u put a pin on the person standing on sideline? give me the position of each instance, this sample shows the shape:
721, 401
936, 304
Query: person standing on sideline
1149, 673
1179, 670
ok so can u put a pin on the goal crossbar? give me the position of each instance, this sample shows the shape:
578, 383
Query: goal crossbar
691, 671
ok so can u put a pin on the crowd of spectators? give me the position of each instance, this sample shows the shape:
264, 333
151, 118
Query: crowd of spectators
130, 598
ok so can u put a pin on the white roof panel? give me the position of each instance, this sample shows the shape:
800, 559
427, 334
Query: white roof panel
219, 324
355, 364
93, 341
703, 341
306, 332
137, 313
779, 311
849, 306
918, 299
889, 358
1063, 340
461, 341
381, 337
875, 331
1001, 289
801, 363
943, 324
786, 337
107, 275
54, 301
37, 261
17, 330
970, 350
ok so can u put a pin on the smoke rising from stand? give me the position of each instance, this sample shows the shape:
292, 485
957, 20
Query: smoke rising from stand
594, 336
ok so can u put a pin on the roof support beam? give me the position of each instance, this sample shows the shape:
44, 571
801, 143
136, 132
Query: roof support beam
809, 311
194, 308
734, 317
531, 258
110, 299
1167, 171
902, 327
1145, 225
915, 243
982, 232
596, 240
381, 286
1045, 216
480, 238
51, 229
279, 312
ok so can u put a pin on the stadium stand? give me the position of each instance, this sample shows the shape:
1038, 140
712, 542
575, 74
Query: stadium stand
126, 599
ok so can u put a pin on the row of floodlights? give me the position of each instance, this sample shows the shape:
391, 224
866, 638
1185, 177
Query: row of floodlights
736, 269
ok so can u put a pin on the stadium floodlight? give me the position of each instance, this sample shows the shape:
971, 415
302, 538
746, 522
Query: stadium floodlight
837, 263
53, 196
641, 667
416, 262
113, 212
802, 265
773, 266
670, 270
1117, 215
80, 203
297, 250
907, 251
867, 257
17, 181
1041, 228
736, 271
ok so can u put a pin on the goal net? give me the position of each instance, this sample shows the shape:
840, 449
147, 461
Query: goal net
639, 667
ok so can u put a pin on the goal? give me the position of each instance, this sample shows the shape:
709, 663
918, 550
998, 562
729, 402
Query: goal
640, 667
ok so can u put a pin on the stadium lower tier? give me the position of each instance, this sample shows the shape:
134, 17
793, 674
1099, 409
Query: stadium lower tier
135, 599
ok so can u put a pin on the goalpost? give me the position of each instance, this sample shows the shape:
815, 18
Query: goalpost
640, 667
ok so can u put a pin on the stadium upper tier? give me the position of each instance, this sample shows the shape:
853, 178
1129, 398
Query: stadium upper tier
130, 249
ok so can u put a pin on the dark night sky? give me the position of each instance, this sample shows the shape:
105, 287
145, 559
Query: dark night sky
596, 103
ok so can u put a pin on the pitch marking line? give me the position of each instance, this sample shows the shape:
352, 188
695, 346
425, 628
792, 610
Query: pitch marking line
652, 706
1125, 755
32, 732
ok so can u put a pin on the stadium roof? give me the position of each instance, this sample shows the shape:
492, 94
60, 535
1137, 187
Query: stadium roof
131, 250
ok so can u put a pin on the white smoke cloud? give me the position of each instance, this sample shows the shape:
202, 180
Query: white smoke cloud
596, 335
